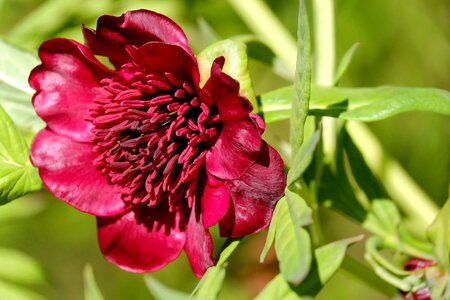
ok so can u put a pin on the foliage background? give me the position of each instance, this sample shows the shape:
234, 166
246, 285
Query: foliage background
401, 42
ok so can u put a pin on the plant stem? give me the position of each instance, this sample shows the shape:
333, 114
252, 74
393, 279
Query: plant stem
324, 39
402, 188
269, 29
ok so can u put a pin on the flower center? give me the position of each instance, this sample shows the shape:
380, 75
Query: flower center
151, 133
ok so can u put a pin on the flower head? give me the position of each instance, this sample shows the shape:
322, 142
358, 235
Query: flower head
156, 157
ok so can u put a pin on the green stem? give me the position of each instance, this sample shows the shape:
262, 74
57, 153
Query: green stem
402, 188
365, 274
269, 29
324, 39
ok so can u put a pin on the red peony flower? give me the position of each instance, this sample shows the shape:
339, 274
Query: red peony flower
157, 158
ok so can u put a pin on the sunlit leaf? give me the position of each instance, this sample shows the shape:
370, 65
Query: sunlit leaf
230, 246
345, 61
384, 218
210, 284
15, 93
91, 290
11, 291
162, 292
17, 176
292, 244
439, 235
364, 104
302, 82
270, 235
278, 288
327, 260
19, 267
236, 65
303, 158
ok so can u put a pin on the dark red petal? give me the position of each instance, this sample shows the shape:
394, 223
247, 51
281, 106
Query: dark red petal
164, 58
132, 28
236, 149
225, 93
64, 83
142, 240
254, 195
198, 243
215, 201
67, 171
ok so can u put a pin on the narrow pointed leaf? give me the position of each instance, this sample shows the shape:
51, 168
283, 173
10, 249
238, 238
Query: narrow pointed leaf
345, 61
277, 288
303, 158
17, 176
302, 83
292, 246
91, 290
210, 284
439, 235
271, 234
327, 260
364, 104
162, 292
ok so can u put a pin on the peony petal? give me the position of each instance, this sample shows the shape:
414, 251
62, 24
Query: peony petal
215, 201
135, 28
236, 149
142, 240
254, 195
163, 58
198, 244
64, 83
225, 93
67, 171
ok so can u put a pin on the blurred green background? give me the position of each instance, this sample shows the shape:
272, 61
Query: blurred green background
402, 42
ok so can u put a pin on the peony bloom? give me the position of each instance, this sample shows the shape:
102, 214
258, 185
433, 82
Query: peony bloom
155, 157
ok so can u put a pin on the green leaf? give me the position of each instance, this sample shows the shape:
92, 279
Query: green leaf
345, 61
327, 260
364, 104
11, 291
271, 234
19, 267
236, 65
439, 234
230, 246
15, 66
302, 82
292, 243
91, 290
278, 288
210, 284
162, 292
17, 176
17, 104
329, 257
303, 158
15, 93
384, 218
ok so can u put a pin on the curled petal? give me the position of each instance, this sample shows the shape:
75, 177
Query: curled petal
254, 195
67, 171
236, 149
163, 58
63, 84
215, 201
142, 240
225, 93
135, 28
198, 243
